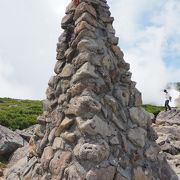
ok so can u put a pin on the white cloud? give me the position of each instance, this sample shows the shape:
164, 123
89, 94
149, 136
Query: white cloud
9, 88
29, 33
147, 27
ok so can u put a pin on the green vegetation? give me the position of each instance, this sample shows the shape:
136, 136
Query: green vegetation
153, 109
19, 114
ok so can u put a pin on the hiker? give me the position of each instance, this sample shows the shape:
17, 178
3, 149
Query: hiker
167, 99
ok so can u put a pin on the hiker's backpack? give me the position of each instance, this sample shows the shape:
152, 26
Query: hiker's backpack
170, 98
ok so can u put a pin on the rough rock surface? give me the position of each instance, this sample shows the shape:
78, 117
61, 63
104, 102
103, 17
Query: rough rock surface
92, 91
9, 142
168, 131
27, 133
170, 117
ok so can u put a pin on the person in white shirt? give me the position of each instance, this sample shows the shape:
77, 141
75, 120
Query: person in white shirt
167, 99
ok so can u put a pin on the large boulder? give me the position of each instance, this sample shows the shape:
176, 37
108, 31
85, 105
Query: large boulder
9, 142
17, 155
169, 117
168, 131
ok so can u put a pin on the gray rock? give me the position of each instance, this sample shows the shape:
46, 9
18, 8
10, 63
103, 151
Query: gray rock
84, 7
86, 70
28, 132
103, 173
140, 116
95, 126
169, 117
18, 155
83, 106
88, 18
9, 142
92, 152
137, 136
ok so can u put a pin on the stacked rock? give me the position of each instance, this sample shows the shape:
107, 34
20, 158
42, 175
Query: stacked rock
93, 126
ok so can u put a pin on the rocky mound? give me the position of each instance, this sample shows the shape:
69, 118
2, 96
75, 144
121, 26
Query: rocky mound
9, 142
93, 126
168, 129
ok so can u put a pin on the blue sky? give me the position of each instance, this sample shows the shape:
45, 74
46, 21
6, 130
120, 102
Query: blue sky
148, 31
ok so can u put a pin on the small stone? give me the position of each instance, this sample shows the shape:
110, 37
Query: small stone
92, 152
84, 7
88, 45
67, 19
67, 71
82, 106
86, 70
71, 7
52, 81
88, 18
117, 51
74, 172
137, 136
62, 98
111, 101
112, 39
137, 98
106, 62
122, 94
94, 126
69, 54
52, 135
58, 67
69, 137
139, 174
120, 177
88, 34
82, 58
126, 77
66, 123
65, 84
83, 25
77, 89
60, 162
114, 141
152, 152
46, 157
139, 116
110, 28
50, 94
58, 143
118, 122
101, 174
107, 19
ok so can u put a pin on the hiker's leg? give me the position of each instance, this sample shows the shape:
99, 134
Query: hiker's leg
168, 105
165, 105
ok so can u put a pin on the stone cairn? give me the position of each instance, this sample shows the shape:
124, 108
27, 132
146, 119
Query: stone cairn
93, 126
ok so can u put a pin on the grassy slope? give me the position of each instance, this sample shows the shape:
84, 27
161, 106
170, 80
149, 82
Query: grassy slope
19, 114
153, 109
